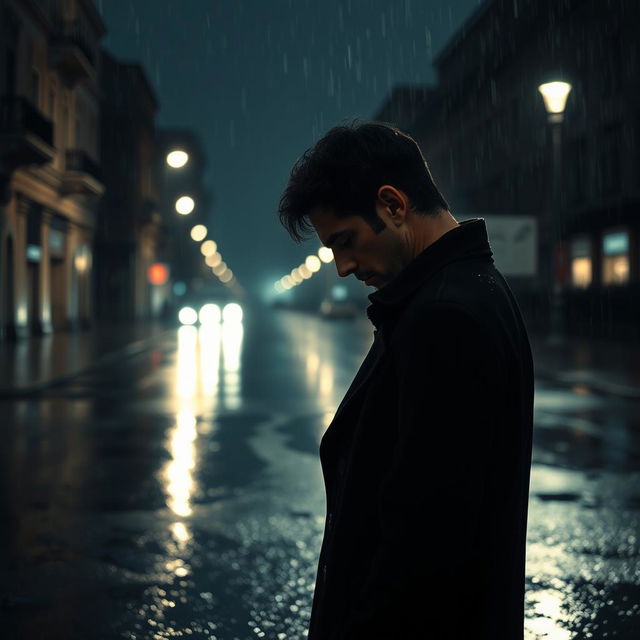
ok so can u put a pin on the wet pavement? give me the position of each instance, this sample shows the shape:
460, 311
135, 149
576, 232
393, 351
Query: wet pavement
175, 490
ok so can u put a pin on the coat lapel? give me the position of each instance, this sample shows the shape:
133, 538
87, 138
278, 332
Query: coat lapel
367, 368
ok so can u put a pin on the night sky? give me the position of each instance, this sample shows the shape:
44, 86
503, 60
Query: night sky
261, 80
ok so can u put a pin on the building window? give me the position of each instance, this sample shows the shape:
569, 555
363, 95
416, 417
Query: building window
581, 262
615, 258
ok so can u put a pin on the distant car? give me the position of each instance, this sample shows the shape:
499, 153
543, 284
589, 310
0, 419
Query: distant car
338, 309
207, 312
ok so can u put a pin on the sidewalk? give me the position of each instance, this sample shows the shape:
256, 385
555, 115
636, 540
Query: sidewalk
36, 363
610, 368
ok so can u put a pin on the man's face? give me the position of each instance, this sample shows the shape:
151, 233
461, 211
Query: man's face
373, 257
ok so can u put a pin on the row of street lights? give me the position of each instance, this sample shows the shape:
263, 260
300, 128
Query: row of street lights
212, 257
177, 159
311, 265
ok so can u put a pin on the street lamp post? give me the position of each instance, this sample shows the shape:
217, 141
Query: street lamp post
555, 96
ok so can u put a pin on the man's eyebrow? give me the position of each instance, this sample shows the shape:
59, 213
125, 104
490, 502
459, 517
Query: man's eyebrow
334, 236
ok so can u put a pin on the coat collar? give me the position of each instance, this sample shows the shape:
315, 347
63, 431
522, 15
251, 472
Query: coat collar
469, 240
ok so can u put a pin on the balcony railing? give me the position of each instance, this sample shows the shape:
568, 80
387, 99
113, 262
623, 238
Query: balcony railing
78, 160
18, 115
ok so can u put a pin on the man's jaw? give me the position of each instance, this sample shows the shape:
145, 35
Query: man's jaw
367, 278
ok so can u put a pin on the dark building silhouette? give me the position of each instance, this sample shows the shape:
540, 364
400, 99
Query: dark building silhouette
132, 232
486, 135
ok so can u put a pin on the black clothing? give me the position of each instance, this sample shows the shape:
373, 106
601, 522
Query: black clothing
427, 460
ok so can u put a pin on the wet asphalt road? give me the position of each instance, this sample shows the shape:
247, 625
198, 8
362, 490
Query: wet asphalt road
178, 493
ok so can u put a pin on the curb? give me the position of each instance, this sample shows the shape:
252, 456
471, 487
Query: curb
601, 387
129, 351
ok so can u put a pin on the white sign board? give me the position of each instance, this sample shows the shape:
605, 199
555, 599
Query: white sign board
513, 240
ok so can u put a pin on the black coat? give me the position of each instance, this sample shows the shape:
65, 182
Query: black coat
426, 462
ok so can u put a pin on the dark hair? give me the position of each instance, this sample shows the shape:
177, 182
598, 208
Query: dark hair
344, 170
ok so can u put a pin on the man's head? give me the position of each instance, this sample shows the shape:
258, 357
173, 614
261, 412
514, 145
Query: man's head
366, 190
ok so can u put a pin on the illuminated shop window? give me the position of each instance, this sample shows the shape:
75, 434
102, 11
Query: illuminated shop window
615, 258
581, 263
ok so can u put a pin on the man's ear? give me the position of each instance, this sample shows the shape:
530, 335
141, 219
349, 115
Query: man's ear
394, 201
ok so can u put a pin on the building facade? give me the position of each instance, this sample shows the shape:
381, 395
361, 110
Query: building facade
486, 135
131, 232
50, 179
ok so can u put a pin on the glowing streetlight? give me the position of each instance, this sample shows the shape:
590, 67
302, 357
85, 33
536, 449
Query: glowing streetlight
199, 232
295, 276
313, 263
185, 205
325, 254
177, 158
213, 260
304, 271
208, 248
226, 277
555, 96
287, 282
220, 269
279, 287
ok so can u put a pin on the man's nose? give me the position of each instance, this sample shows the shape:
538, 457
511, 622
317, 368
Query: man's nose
344, 265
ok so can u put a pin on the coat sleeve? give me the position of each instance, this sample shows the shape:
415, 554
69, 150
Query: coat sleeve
449, 381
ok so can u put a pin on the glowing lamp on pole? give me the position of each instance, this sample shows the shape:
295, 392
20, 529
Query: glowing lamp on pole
185, 205
177, 158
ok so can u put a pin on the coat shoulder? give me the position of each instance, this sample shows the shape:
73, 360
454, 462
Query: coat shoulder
467, 301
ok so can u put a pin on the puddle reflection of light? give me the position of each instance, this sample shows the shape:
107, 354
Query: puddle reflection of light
313, 362
187, 361
326, 381
210, 358
232, 337
180, 533
198, 366
317, 362
327, 419
548, 610
180, 470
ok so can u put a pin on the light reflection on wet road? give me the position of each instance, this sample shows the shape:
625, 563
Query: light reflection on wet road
178, 493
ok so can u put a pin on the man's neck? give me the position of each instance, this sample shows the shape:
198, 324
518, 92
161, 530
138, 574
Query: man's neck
429, 229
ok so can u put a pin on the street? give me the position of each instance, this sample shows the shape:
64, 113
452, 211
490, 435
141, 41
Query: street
176, 491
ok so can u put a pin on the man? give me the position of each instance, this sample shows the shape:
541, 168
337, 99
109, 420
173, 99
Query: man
426, 462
